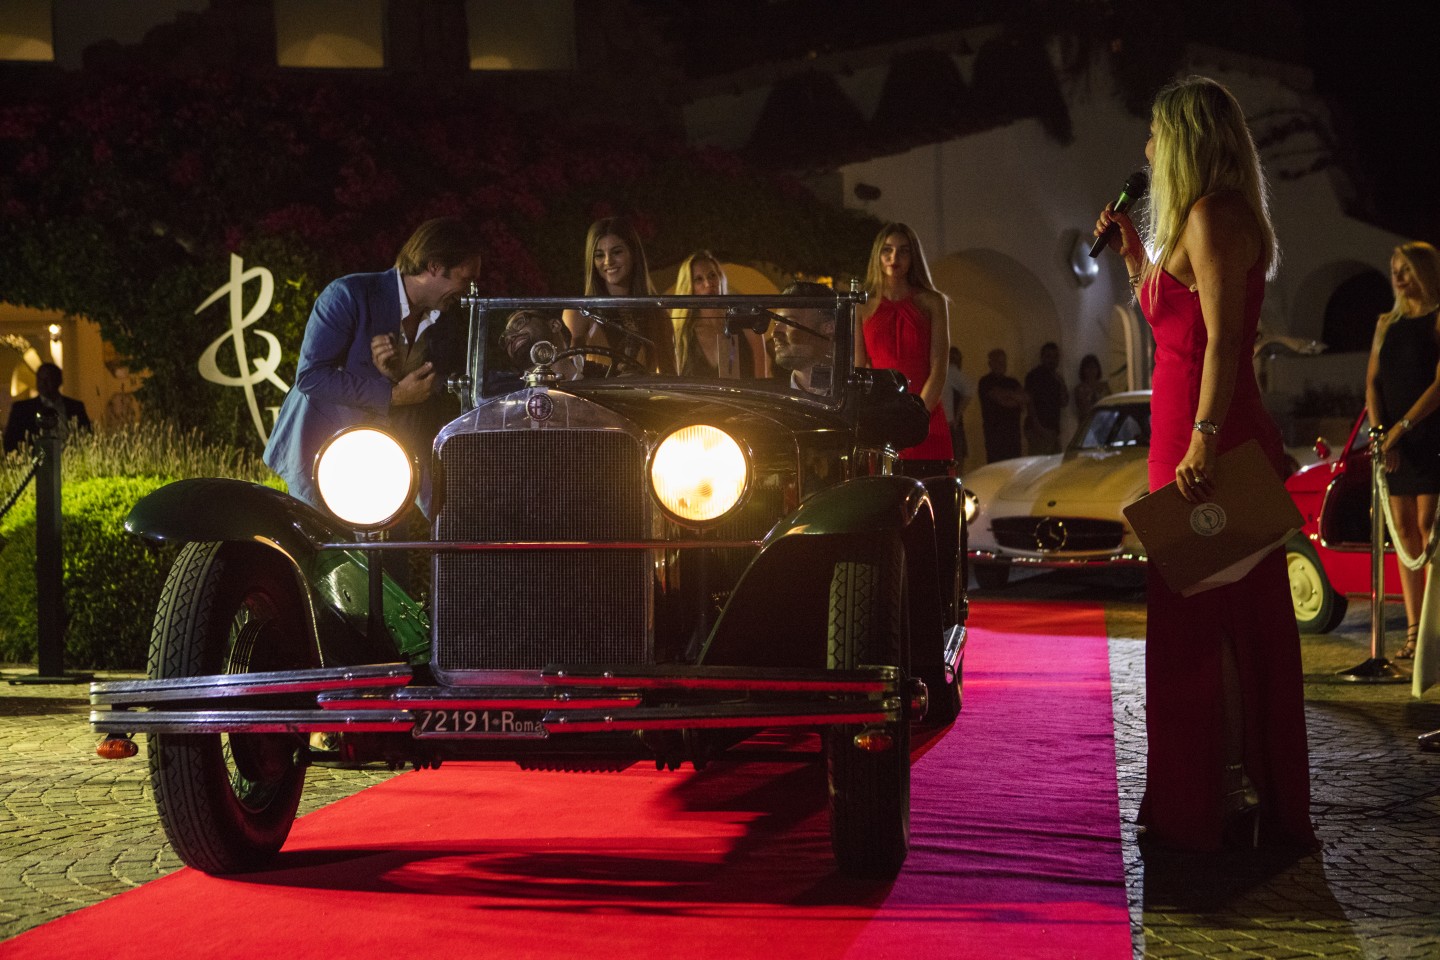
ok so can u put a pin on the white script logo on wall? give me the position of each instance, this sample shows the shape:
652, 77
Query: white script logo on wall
262, 370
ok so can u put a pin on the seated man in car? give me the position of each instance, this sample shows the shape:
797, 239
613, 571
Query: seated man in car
806, 348
524, 329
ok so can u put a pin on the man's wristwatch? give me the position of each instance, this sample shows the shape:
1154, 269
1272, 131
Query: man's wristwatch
1207, 427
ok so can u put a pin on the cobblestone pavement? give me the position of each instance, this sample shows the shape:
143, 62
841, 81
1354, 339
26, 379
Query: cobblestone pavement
75, 829
1374, 890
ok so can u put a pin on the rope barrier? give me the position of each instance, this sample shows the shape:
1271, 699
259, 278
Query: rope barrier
14, 498
1383, 493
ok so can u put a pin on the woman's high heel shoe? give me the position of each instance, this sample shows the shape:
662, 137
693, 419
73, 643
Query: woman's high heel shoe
1412, 634
1240, 828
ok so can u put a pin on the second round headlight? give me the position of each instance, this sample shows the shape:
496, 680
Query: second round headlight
699, 473
365, 477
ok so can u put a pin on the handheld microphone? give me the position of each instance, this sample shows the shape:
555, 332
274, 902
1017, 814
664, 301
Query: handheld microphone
1133, 190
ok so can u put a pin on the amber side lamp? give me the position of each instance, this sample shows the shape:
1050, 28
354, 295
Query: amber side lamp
117, 747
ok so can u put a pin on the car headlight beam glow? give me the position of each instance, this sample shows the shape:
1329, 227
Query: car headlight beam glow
699, 473
365, 477
972, 506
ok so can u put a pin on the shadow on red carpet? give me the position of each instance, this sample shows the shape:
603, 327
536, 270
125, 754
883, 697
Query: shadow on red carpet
1015, 848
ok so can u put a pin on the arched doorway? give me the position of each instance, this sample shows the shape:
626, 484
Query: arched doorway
18, 360
1352, 310
995, 302
1128, 358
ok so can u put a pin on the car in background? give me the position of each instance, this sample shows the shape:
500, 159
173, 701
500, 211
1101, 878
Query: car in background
1064, 510
1329, 559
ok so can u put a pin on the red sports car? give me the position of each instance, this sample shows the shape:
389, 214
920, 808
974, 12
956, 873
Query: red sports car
1329, 559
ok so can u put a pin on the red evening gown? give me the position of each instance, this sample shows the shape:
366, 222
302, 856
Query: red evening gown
1185, 794
897, 337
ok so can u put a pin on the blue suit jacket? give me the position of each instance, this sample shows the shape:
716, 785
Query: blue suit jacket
336, 383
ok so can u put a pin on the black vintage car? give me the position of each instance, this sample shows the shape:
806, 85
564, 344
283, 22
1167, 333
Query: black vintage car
621, 567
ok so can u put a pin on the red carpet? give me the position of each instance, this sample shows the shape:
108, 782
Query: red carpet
1016, 850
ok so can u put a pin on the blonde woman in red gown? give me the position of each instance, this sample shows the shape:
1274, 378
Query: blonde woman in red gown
1224, 695
905, 326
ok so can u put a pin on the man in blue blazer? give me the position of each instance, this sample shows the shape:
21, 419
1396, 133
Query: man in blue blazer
361, 356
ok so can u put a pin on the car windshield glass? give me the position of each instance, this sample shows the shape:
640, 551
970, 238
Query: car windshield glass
775, 345
1361, 439
1117, 426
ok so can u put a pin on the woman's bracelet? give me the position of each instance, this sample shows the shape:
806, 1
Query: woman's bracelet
1134, 280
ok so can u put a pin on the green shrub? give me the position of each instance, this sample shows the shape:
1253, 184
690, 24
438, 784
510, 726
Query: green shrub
112, 580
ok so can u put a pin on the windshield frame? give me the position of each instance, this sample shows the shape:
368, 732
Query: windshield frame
482, 311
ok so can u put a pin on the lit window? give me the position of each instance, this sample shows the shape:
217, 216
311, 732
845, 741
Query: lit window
26, 32
346, 34
537, 35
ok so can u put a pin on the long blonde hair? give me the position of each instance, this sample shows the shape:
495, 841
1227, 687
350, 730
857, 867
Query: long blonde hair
1424, 262
919, 275
684, 286
1202, 146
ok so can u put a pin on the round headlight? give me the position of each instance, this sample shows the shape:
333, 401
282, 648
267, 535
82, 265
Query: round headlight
698, 473
365, 477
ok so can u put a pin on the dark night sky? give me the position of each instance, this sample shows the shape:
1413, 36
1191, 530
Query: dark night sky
1380, 70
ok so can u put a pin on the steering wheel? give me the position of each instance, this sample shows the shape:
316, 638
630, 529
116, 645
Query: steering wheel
618, 361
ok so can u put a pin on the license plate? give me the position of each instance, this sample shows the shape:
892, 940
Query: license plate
479, 723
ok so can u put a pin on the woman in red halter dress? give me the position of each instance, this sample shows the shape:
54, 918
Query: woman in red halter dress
1224, 695
905, 326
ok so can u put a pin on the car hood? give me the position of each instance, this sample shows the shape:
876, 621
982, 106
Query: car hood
1110, 476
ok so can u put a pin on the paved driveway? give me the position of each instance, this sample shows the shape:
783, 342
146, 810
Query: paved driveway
75, 829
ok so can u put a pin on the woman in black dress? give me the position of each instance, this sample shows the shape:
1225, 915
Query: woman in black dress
1402, 390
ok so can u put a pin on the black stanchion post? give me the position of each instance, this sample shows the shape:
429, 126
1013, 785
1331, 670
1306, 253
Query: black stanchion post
49, 562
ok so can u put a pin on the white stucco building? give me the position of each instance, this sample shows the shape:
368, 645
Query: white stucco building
1006, 215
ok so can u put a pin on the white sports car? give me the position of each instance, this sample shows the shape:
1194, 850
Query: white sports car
1063, 510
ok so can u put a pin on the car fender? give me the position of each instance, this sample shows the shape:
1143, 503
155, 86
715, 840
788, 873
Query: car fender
947, 502
223, 509
778, 613
335, 582
860, 506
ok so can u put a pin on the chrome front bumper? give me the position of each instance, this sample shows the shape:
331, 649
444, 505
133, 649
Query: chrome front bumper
587, 699
1126, 559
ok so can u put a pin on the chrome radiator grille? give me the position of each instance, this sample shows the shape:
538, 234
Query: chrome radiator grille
1057, 534
523, 609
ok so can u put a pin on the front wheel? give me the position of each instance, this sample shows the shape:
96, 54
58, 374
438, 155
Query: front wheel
227, 801
1318, 608
869, 789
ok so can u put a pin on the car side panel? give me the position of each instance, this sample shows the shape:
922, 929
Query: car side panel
778, 613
